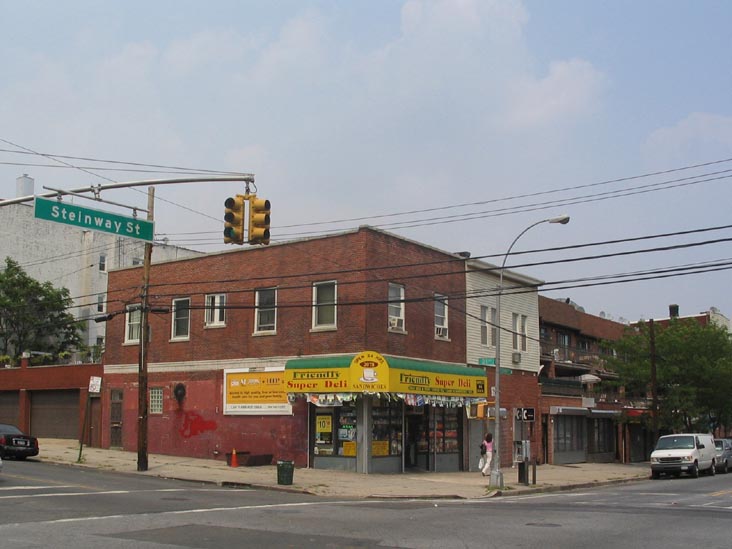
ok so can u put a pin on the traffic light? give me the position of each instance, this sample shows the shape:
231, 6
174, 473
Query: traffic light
234, 220
258, 220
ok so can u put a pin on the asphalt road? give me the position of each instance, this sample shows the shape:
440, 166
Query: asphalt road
45, 505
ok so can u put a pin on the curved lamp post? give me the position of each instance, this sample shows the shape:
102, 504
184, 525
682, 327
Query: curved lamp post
496, 473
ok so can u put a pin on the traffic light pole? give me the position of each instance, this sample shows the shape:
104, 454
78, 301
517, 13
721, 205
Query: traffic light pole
142, 411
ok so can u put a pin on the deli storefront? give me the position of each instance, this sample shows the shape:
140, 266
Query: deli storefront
370, 413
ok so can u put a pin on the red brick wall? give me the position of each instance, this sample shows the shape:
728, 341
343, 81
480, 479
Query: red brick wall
358, 261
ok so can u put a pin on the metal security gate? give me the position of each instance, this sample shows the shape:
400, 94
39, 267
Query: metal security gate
55, 414
9, 407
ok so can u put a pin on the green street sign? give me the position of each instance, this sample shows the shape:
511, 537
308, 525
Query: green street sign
506, 371
487, 361
95, 220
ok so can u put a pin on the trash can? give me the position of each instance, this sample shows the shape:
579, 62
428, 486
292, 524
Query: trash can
284, 472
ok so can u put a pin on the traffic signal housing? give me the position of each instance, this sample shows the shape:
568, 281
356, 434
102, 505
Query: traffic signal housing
234, 219
259, 209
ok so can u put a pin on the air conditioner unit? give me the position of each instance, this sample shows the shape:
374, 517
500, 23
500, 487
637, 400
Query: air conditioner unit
396, 323
516, 358
441, 331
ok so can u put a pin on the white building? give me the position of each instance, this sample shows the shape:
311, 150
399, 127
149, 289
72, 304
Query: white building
72, 258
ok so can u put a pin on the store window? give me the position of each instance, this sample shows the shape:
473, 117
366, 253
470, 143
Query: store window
335, 430
443, 431
386, 437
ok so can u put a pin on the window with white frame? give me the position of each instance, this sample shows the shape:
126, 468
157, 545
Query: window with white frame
484, 312
266, 310
100, 303
215, 310
441, 316
133, 319
181, 324
103, 263
519, 331
156, 400
324, 304
396, 306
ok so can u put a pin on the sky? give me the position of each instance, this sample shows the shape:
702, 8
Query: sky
456, 123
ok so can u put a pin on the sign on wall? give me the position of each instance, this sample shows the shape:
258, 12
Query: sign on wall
253, 391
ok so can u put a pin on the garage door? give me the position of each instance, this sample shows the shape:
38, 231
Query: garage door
55, 414
9, 407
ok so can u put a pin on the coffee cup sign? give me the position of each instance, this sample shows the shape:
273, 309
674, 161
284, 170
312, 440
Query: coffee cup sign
368, 374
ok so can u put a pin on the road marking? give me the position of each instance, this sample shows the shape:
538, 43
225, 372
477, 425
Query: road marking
721, 493
11, 488
111, 492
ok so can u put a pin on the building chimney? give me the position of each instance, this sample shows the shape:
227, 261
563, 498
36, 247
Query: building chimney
673, 311
24, 186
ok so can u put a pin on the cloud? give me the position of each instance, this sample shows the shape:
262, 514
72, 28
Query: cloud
699, 136
570, 91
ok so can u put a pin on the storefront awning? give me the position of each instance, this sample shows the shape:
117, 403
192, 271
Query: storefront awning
370, 372
568, 411
604, 413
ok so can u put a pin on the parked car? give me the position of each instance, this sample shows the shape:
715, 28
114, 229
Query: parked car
684, 453
15, 443
1, 465
724, 454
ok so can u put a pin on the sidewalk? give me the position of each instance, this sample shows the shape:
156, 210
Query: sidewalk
344, 484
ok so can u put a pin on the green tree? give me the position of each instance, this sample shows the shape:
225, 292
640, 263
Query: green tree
34, 316
693, 373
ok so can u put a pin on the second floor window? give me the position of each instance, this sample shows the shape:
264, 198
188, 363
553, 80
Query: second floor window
133, 318
484, 326
266, 310
441, 316
563, 339
519, 332
215, 310
324, 304
181, 318
396, 306
103, 263
100, 303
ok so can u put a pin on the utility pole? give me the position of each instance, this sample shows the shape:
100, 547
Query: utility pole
144, 340
654, 381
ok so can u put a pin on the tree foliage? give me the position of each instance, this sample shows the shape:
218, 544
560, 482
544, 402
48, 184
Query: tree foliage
693, 373
34, 316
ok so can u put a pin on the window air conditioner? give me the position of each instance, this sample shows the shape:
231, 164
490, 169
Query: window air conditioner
396, 323
441, 331
516, 358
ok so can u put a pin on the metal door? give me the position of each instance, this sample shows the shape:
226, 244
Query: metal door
115, 418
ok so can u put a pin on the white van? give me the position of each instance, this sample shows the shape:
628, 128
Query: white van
684, 453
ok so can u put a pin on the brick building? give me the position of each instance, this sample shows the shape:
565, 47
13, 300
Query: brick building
346, 351
580, 417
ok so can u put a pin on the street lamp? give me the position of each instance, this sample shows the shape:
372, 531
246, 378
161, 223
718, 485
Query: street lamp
496, 473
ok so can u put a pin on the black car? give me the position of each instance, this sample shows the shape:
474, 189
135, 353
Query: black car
15, 443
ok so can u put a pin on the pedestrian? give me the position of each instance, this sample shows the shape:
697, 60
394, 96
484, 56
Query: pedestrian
486, 455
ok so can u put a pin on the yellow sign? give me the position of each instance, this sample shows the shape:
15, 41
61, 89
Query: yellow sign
431, 383
370, 372
380, 448
349, 449
324, 424
257, 393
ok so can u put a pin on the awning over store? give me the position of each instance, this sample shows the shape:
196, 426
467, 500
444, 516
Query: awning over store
370, 372
604, 413
568, 411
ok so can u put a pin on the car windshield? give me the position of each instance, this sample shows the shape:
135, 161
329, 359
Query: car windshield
675, 443
719, 445
10, 429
